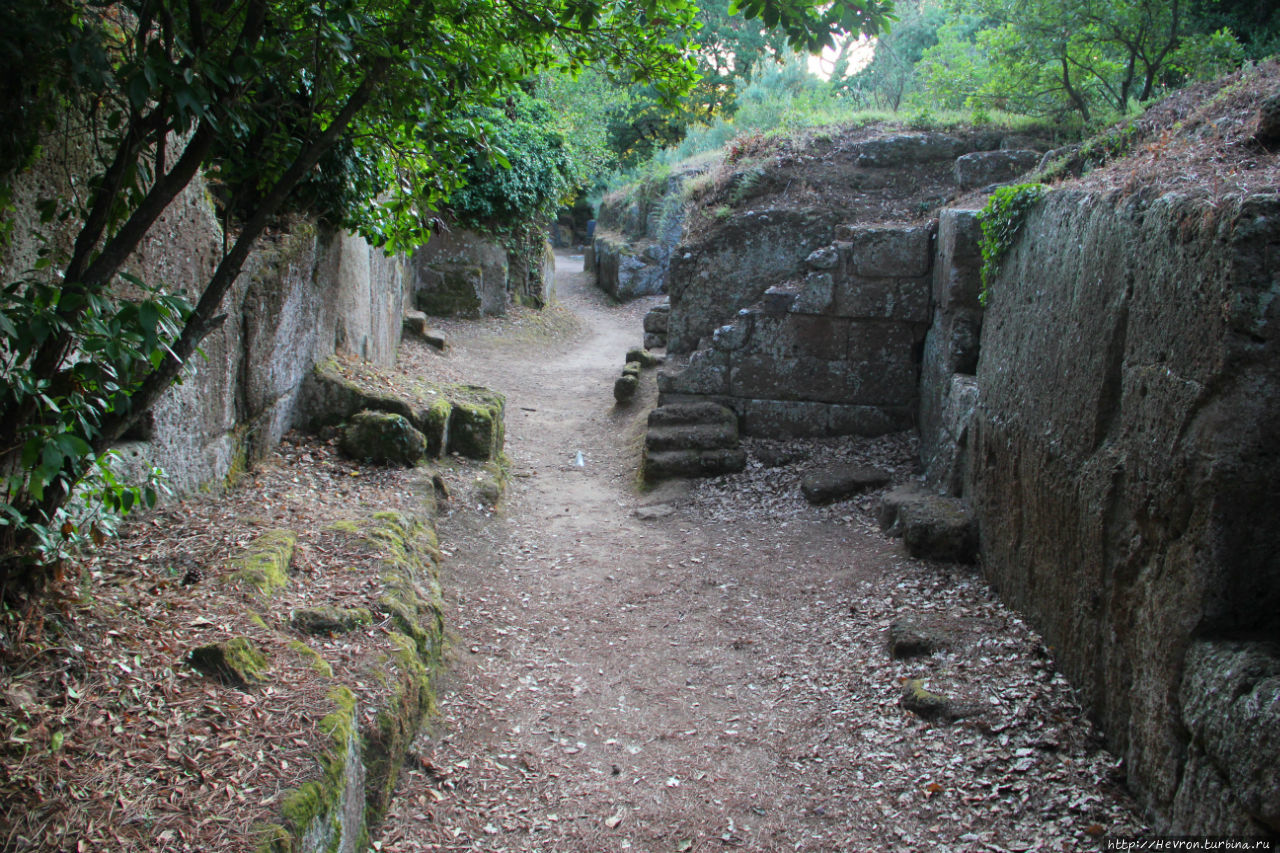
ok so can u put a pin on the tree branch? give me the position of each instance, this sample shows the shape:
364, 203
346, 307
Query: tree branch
203, 318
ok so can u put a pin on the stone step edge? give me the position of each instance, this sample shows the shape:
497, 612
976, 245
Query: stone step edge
691, 437
669, 464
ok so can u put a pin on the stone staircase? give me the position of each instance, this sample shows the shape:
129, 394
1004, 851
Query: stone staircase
692, 440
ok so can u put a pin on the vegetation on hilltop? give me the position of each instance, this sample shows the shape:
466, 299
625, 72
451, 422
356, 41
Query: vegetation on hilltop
1071, 68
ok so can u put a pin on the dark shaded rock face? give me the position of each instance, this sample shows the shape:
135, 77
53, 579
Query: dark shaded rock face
1124, 471
1268, 132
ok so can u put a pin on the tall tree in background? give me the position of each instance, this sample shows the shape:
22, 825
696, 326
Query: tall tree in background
891, 74
728, 50
360, 107
1088, 57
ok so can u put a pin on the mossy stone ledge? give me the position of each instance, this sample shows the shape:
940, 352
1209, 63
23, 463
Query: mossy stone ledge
476, 426
327, 619
326, 815
383, 437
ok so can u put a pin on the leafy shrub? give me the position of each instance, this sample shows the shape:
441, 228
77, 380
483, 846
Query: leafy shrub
117, 342
525, 175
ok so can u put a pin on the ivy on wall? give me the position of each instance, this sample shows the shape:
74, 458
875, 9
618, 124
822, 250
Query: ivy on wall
1001, 220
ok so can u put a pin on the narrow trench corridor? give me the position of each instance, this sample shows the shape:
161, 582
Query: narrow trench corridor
699, 681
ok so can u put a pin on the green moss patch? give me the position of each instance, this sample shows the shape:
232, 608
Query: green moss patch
327, 619
264, 565
237, 661
314, 659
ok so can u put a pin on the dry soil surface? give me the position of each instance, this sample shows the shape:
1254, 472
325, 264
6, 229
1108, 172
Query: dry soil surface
692, 677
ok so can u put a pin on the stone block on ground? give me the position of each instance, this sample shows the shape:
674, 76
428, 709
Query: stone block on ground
655, 340
476, 428
891, 503
382, 437
909, 638
644, 357
916, 698
625, 387
837, 482
415, 324
460, 273
336, 391
938, 528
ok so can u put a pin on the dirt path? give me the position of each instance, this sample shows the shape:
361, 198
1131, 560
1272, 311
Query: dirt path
689, 684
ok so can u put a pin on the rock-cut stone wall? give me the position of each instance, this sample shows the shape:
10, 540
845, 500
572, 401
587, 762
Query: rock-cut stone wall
303, 295
465, 273
1124, 468
636, 235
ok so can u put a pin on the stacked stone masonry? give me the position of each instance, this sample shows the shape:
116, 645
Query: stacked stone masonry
835, 352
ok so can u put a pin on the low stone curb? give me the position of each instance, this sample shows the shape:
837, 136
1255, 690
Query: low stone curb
359, 762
